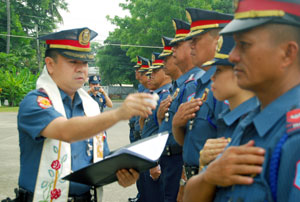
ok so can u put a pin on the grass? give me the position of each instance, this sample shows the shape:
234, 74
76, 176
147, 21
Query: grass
9, 109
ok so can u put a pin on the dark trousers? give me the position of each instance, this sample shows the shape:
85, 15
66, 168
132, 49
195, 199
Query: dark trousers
171, 169
150, 190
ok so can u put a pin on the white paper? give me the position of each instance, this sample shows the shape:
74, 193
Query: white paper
151, 148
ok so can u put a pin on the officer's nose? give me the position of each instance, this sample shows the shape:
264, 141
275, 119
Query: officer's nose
80, 66
234, 56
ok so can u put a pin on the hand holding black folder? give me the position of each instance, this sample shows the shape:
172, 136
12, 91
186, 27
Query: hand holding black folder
141, 156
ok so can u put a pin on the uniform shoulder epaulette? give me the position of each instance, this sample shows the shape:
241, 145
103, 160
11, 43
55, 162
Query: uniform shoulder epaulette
191, 78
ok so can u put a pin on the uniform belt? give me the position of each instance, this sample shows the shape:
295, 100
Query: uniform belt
190, 171
172, 150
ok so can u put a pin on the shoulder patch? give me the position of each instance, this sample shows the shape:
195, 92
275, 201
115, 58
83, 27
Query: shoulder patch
297, 177
44, 102
292, 121
191, 78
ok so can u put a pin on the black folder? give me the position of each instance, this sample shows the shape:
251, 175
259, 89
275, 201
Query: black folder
104, 171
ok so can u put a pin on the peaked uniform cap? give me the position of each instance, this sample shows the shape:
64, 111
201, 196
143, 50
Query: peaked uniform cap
166, 42
138, 63
72, 43
145, 64
253, 13
182, 29
225, 45
157, 61
94, 79
204, 20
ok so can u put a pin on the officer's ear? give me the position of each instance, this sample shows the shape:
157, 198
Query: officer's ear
50, 64
291, 53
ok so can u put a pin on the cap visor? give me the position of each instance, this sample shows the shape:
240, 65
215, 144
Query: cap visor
82, 56
195, 33
239, 25
163, 55
156, 67
177, 40
216, 61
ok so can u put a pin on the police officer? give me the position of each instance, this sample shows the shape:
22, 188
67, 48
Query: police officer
134, 134
171, 159
98, 94
225, 88
192, 124
159, 83
60, 125
262, 162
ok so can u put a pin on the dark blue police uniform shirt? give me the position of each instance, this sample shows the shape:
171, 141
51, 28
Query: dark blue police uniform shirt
141, 88
100, 99
134, 121
32, 119
151, 123
137, 123
204, 125
266, 127
228, 120
187, 85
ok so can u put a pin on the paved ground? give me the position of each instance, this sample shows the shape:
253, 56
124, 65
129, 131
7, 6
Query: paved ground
9, 158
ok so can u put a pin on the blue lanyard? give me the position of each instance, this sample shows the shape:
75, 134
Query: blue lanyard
274, 166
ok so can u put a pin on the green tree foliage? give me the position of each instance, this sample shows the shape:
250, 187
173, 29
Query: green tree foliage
115, 66
19, 68
25, 16
152, 19
149, 20
15, 82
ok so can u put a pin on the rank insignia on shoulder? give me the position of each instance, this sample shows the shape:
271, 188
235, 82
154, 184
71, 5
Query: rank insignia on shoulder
175, 93
293, 120
44, 102
297, 177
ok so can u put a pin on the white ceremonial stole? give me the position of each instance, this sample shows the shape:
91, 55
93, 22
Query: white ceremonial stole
55, 161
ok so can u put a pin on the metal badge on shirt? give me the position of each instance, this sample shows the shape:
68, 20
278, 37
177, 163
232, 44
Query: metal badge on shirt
167, 114
203, 99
